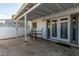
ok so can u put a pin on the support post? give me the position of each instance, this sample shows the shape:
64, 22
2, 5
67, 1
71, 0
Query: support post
16, 29
69, 26
26, 28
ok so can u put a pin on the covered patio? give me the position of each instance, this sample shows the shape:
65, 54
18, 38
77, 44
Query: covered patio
47, 11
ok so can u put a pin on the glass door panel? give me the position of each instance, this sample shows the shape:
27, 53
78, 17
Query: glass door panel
74, 29
54, 28
64, 30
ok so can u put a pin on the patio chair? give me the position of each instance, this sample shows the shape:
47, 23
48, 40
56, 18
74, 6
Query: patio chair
33, 32
39, 33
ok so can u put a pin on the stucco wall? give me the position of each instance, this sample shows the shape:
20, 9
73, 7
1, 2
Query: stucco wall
9, 32
29, 26
20, 31
40, 24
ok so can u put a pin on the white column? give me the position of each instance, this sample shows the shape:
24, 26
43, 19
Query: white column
58, 28
26, 27
16, 29
69, 39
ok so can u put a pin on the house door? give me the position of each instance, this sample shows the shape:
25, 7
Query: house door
74, 29
48, 28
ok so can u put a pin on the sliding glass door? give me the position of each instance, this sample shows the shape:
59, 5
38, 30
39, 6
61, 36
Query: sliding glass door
64, 28
54, 28
74, 29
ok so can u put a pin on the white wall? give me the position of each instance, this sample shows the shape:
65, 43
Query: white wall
9, 32
41, 24
29, 26
21, 31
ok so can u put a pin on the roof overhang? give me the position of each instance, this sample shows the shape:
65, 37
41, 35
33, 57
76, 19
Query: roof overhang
24, 8
45, 9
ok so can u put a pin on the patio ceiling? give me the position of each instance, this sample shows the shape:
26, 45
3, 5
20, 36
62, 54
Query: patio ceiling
25, 7
45, 9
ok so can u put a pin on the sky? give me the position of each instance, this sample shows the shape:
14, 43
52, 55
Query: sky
8, 9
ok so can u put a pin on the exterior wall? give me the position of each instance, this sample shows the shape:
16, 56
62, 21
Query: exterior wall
8, 30
29, 26
40, 24
57, 16
20, 31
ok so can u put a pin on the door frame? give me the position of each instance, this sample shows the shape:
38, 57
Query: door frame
59, 28
76, 42
67, 28
48, 25
51, 29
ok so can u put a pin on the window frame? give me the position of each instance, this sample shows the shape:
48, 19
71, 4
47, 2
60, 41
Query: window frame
54, 21
64, 21
34, 24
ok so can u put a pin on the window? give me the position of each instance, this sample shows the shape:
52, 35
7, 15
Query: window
64, 29
74, 28
54, 28
34, 24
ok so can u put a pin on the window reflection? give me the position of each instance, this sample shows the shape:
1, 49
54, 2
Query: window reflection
64, 30
54, 28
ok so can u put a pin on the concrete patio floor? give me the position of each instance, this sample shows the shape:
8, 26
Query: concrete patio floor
35, 47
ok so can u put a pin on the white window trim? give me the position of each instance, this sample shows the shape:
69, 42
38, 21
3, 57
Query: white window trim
59, 27
51, 30
65, 40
